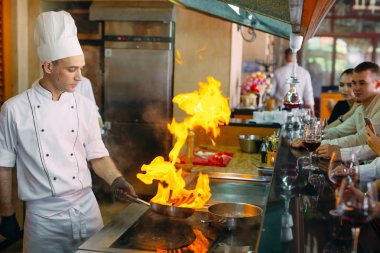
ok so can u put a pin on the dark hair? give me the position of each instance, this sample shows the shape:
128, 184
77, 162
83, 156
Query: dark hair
288, 52
349, 71
367, 65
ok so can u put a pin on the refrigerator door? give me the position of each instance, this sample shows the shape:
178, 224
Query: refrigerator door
138, 85
137, 102
133, 144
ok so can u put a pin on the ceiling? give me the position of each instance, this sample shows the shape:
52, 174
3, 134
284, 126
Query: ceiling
278, 17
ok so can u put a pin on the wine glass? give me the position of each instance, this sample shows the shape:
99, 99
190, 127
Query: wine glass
312, 138
305, 116
288, 177
356, 203
348, 167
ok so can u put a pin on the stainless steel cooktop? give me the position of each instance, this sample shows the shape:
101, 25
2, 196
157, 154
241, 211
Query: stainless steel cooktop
139, 230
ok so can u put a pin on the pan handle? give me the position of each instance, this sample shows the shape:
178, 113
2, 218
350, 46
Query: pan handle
137, 200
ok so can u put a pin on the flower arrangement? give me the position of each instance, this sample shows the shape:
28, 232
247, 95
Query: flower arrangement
257, 83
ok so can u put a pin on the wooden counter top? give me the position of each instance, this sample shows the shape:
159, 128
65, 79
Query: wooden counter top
242, 163
229, 134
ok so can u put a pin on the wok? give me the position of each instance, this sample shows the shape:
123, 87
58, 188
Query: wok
234, 215
166, 210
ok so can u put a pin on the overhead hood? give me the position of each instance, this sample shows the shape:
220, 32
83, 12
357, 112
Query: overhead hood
278, 17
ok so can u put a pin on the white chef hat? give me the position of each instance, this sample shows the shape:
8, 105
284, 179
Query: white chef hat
55, 36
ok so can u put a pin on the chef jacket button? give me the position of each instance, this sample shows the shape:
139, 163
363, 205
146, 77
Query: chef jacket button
38, 106
47, 154
71, 154
42, 130
72, 130
54, 178
72, 107
74, 177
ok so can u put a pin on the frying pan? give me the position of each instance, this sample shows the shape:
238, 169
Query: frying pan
234, 215
169, 211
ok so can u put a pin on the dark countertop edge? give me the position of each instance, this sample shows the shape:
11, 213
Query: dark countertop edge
274, 201
271, 225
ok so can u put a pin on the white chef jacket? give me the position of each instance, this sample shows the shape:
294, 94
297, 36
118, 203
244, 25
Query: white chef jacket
49, 142
280, 86
352, 131
84, 88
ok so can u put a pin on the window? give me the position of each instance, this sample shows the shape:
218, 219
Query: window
349, 53
345, 38
318, 59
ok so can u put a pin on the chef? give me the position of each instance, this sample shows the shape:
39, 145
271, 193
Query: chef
48, 133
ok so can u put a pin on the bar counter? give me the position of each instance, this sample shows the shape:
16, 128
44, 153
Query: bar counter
294, 220
239, 182
299, 220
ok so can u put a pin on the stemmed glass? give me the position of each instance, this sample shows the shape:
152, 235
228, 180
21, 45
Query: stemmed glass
312, 139
356, 203
286, 221
288, 177
349, 167
305, 116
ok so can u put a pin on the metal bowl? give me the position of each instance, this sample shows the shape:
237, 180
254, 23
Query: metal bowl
234, 215
250, 143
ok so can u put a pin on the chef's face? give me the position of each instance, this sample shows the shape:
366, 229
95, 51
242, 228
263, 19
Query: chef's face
67, 73
364, 85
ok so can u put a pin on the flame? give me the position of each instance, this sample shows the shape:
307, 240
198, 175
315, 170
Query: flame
200, 244
207, 108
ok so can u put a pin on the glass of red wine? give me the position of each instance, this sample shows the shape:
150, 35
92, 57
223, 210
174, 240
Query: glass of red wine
348, 167
312, 139
356, 203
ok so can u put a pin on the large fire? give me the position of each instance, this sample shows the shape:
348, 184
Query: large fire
207, 108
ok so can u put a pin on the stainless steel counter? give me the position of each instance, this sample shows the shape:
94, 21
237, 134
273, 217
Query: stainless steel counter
234, 188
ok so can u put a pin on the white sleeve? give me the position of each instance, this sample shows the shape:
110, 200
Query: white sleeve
274, 84
88, 92
363, 152
8, 138
345, 134
87, 89
359, 138
370, 172
308, 91
345, 128
94, 144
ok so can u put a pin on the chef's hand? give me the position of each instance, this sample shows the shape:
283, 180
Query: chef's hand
121, 189
9, 227
325, 151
